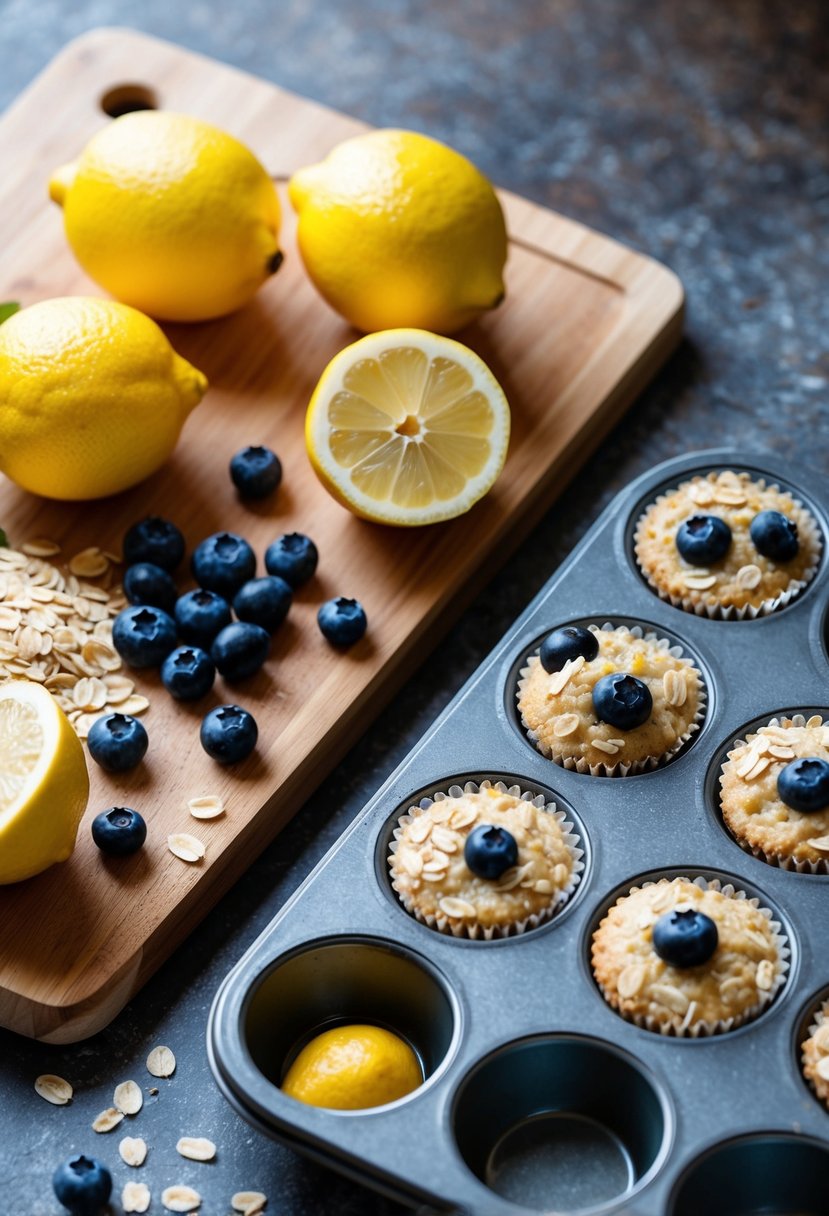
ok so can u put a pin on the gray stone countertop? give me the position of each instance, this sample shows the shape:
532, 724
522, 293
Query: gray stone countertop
695, 131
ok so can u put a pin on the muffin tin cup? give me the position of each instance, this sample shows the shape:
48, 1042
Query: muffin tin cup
538, 986
771, 859
647, 763
443, 924
747, 612
756, 1175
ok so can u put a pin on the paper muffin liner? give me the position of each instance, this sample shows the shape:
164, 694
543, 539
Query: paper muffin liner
474, 931
782, 862
748, 612
705, 1028
620, 769
820, 1016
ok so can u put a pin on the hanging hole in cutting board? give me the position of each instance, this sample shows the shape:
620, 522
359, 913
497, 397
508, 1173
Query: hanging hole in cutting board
126, 98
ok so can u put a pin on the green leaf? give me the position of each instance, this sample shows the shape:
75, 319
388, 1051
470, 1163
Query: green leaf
8, 310
4, 544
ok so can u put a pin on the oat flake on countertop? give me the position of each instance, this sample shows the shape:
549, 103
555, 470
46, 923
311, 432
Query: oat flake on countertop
128, 1098
133, 1150
208, 806
187, 847
161, 1062
135, 1197
54, 1089
249, 1202
180, 1199
107, 1120
196, 1148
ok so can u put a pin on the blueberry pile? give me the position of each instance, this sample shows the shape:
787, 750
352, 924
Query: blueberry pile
193, 636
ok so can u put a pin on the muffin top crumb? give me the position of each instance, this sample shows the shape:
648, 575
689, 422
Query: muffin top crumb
743, 576
432, 878
751, 804
558, 708
815, 1054
740, 977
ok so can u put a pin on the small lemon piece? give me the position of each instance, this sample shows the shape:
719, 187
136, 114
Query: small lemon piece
407, 427
171, 215
352, 1068
397, 229
44, 785
92, 397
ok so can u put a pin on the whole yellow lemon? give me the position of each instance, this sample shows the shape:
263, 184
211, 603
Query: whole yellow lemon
397, 230
352, 1068
44, 785
92, 397
171, 215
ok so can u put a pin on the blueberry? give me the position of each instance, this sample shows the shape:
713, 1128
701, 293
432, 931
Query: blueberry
490, 850
83, 1185
622, 701
567, 643
154, 540
774, 535
804, 784
255, 472
143, 636
188, 673
264, 601
145, 583
228, 733
222, 563
119, 831
343, 622
685, 939
703, 539
292, 557
200, 615
240, 650
117, 742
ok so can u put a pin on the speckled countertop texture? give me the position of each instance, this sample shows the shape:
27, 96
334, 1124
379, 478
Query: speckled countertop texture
695, 131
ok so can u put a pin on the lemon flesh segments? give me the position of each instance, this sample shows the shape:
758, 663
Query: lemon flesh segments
416, 427
25, 754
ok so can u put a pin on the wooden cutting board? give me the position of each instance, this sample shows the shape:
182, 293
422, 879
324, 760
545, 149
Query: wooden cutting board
585, 325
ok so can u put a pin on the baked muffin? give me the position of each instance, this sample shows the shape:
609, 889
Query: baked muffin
688, 958
726, 545
484, 861
815, 1054
609, 701
774, 793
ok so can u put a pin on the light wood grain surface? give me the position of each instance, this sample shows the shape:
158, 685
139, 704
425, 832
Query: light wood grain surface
585, 324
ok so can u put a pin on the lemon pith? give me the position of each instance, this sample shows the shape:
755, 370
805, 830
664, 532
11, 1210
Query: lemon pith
407, 427
397, 229
92, 397
170, 214
353, 1068
44, 785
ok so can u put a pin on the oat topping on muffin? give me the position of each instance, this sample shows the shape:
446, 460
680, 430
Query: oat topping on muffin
759, 784
725, 544
726, 981
815, 1054
630, 706
437, 867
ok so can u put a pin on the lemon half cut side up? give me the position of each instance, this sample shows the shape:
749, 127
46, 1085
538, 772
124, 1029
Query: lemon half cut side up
407, 427
44, 784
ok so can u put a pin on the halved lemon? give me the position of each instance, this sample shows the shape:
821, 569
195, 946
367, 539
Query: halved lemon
44, 784
407, 427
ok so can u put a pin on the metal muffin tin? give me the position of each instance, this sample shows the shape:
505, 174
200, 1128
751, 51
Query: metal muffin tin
539, 1097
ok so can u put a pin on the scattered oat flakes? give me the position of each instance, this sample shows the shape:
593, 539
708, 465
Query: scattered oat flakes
128, 1098
196, 1148
699, 582
630, 980
180, 1199
89, 563
450, 906
161, 1062
419, 829
107, 1120
675, 688
185, 846
133, 1150
821, 1039
565, 725
562, 678
764, 977
411, 862
748, 577
136, 1197
604, 745
673, 998
134, 705
821, 843
445, 840
248, 1202
822, 1068
40, 547
729, 497
701, 493
207, 806
54, 1089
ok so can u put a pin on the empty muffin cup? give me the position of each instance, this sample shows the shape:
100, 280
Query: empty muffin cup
756, 1175
561, 1122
